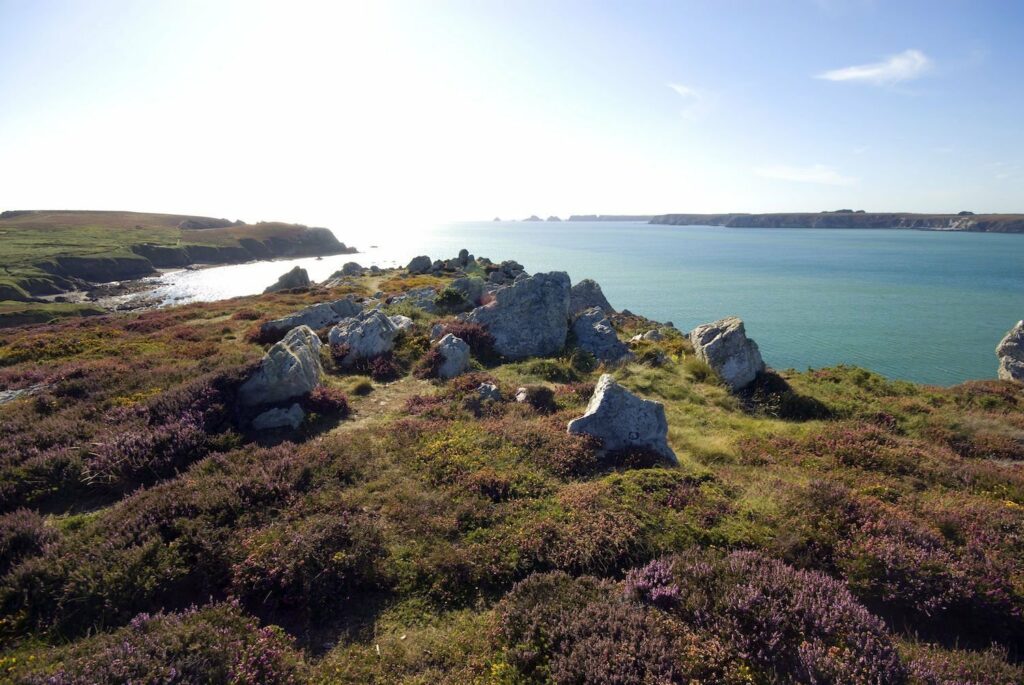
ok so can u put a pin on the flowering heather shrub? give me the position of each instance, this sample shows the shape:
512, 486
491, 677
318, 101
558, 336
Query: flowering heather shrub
23, 533
246, 314
653, 583
547, 444
256, 334
429, 364
577, 393
327, 401
541, 398
311, 564
129, 456
217, 644
800, 626
384, 368
480, 341
930, 665
419, 405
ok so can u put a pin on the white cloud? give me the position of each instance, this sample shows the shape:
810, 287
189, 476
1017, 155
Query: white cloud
697, 102
905, 66
816, 173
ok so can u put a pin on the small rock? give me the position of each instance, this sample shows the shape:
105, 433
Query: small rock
280, 418
419, 265
402, 323
489, 391
455, 353
586, 294
1011, 354
724, 346
296, 278
653, 335
522, 395
436, 331
594, 334
621, 420
291, 368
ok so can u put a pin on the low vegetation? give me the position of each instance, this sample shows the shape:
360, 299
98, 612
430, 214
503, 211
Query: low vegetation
828, 526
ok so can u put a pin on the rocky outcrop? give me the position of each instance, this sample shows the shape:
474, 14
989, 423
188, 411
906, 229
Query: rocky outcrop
365, 337
316, 317
621, 420
350, 269
506, 272
470, 288
528, 318
421, 298
455, 355
586, 294
419, 265
291, 368
296, 278
594, 334
277, 417
724, 346
653, 335
1011, 354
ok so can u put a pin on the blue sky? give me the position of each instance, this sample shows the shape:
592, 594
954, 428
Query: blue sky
322, 112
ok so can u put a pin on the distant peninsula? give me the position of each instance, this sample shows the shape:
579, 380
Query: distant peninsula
964, 221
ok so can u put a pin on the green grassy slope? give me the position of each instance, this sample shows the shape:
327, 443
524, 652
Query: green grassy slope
833, 527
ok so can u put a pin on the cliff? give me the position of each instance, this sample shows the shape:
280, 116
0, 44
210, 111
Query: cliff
982, 223
49, 252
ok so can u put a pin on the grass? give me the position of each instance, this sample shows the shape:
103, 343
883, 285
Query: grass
430, 537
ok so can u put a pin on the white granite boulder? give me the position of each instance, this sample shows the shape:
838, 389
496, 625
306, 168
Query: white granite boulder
595, 334
455, 353
316, 317
366, 336
528, 318
277, 417
725, 347
621, 420
289, 369
585, 295
1011, 354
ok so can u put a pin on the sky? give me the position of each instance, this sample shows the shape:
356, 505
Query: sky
333, 112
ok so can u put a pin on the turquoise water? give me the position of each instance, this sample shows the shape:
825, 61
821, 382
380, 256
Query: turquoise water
922, 306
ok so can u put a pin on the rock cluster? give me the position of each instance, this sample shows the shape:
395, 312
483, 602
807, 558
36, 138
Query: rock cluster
1011, 354
289, 369
366, 336
528, 318
585, 295
506, 272
316, 317
594, 334
296, 278
621, 420
421, 298
724, 346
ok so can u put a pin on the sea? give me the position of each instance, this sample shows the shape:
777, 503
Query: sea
924, 306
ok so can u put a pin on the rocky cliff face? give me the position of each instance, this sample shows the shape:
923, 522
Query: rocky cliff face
992, 223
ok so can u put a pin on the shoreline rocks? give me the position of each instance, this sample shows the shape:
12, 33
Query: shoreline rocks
723, 345
1011, 354
296, 278
622, 420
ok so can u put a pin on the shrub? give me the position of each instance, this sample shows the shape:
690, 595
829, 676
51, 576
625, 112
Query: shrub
384, 368
699, 371
931, 665
362, 388
311, 564
653, 583
450, 300
429, 364
246, 314
214, 644
23, 533
552, 370
540, 397
480, 341
327, 401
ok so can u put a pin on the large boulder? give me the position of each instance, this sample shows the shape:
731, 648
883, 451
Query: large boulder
585, 295
724, 346
350, 269
470, 287
594, 334
455, 355
296, 278
1011, 354
528, 318
621, 420
419, 265
366, 336
289, 369
316, 317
